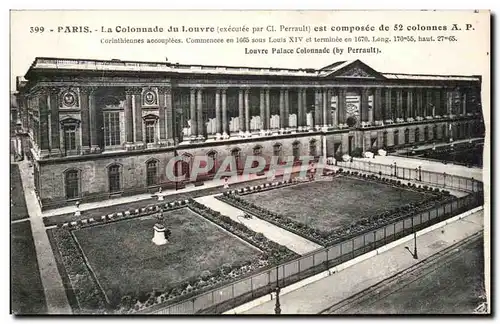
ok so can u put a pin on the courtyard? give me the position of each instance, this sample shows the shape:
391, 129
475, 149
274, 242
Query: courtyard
126, 262
328, 204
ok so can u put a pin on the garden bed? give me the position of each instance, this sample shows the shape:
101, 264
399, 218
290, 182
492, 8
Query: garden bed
325, 225
114, 267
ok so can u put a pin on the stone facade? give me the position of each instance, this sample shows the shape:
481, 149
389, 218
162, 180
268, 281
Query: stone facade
131, 113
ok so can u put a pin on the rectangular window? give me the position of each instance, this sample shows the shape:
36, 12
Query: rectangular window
70, 138
150, 131
111, 128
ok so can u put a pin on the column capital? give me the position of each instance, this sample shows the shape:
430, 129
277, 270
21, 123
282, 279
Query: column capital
88, 89
133, 90
164, 90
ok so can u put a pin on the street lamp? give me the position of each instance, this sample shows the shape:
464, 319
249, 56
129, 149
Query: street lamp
395, 169
277, 308
415, 255
419, 173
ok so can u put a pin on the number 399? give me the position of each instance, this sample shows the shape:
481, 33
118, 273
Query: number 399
37, 29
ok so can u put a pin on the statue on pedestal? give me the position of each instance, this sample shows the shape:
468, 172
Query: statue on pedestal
161, 233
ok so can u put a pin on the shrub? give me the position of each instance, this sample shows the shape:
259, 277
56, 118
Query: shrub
205, 275
357, 152
259, 237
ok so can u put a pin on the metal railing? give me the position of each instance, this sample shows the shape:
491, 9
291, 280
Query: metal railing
224, 298
443, 180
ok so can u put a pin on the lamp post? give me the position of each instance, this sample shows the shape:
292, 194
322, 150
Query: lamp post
419, 173
277, 308
395, 170
415, 255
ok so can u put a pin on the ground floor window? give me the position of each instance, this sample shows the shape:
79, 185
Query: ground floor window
72, 184
152, 173
114, 178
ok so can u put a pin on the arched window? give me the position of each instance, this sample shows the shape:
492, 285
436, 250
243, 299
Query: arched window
435, 131
417, 135
384, 139
296, 151
396, 137
236, 154
443, 131
212, 160
277, 151
72, 184
183, 166
152, 173
407, 136
313, 150
114, 178
426, 133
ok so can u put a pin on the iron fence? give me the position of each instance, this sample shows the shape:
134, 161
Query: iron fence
224, 298
417, 174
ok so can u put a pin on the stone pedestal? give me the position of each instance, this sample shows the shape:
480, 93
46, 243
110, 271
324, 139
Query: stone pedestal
159, 235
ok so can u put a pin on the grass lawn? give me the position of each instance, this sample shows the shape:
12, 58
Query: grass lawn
27, 294
328, 204
453, 288
18, 208
98, 212
125, 260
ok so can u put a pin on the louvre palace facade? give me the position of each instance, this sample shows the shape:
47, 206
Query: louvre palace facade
99, 129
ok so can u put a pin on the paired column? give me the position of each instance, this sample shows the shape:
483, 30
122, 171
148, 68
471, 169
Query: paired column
325, 107
247, 112
85, 92
409, 103
377, 105
299, 108
287, 108
55, 145
418, 110
429, 106
129, 118
241, 111
399, 103
218, 124
192, 112
449, 102
317, 108
364, 104
162, 100
304, 107
138, 115
341, 106
268, 109
282, 109
225, 124
262, 109
43, 110
388, 105
201, 124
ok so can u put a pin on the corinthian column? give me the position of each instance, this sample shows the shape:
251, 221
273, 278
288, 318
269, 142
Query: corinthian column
192, 111
247, 112
241, 111
225, 125
201, 122
218, 124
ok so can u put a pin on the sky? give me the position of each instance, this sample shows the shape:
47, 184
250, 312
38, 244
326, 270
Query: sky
468, 55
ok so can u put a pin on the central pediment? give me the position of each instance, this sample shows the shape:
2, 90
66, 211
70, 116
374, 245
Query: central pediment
351, 70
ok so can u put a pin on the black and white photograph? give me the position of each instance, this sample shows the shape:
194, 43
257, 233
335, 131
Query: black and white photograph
250, 163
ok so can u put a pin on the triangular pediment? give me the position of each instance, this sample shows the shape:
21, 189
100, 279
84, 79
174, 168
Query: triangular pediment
352, 70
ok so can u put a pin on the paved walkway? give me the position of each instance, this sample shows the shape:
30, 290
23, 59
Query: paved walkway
319, 295
55, 295
292, 241
412, 163
188, 188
